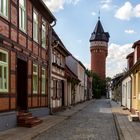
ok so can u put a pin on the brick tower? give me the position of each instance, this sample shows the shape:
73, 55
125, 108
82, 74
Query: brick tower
99, 50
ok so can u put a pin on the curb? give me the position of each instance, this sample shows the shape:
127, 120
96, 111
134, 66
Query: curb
117, 126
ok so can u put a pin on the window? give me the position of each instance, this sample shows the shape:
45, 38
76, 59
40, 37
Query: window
35, 26
3, 71
54, 88
43, 81
54, 57
62, 61
58, 59
22, 15
4, 8
43, 33
35, 79
59, 89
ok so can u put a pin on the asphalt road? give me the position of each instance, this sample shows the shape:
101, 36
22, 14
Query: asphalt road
95, 122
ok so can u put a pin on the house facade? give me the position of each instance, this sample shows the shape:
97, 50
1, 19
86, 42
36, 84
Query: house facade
127, 83
116, 88
72, 83
126, 92
131, 81
79, 70
135, 74
59, 96
24, 31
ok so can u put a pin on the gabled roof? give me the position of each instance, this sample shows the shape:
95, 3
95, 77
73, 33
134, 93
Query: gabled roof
136, 43
40, 5
69, 74
130, 55
99, 34
61, 46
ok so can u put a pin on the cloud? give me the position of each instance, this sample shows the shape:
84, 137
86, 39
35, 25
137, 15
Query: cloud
127, 11
116, 60
55, 6
129, 31
106, 4
93, 13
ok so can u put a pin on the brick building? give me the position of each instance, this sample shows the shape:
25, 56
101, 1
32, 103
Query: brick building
99, 49
24, 41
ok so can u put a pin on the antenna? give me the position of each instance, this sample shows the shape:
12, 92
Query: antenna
99, 15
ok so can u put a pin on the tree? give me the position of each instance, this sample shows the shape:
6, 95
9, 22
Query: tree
98, 86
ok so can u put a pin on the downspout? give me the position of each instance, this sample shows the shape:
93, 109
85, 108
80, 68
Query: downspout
50, 67
131, 94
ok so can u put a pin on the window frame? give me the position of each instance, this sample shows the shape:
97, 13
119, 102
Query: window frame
5, 65
2, 9
43, 32
35, 38
35, 74
21, 19
43, 76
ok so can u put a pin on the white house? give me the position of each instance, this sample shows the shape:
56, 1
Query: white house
126, 92
79, 70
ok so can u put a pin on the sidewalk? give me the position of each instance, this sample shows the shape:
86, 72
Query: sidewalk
21, 133
127, 130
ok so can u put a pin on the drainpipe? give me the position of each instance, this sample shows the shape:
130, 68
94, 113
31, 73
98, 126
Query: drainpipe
131, 93
50, 67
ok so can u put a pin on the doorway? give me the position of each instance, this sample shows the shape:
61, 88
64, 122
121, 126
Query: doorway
63, 96
21, 84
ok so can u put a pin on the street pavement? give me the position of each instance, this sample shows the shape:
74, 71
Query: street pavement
22, 133
94, 122
91, 120
127, 130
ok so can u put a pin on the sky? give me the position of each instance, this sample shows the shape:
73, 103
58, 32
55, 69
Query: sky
76, 20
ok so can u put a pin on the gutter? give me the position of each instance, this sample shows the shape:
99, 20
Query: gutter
50, 67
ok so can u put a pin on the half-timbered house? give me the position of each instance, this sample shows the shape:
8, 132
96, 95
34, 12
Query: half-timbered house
58, 78
24, 33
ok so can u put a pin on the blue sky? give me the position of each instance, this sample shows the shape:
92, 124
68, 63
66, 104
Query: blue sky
76, 20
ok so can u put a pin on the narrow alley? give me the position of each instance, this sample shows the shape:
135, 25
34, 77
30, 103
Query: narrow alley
94, 122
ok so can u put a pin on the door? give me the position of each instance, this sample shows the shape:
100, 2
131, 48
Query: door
63, 97
21, 84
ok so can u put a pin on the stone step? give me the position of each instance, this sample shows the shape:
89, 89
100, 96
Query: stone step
27, 120
133, 117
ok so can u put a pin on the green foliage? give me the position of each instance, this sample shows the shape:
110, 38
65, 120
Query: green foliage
108, 79
89, 73
98, 86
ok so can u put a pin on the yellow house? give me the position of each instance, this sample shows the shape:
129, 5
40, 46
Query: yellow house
135, 87
135, 75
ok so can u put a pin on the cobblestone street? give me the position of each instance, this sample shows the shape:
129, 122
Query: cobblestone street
94, 122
